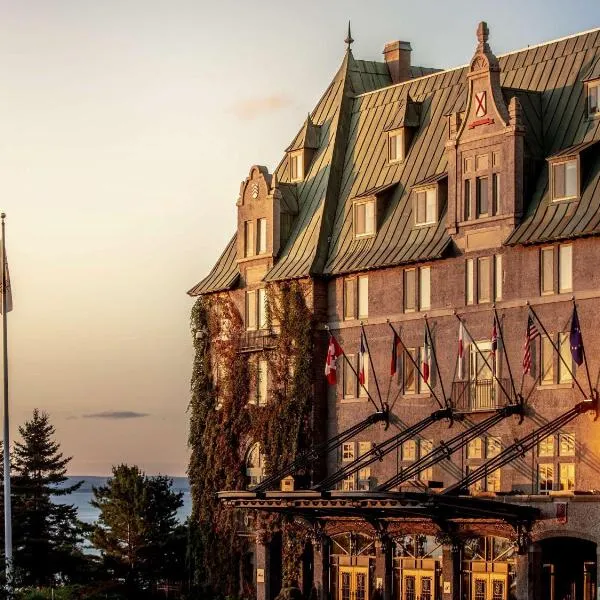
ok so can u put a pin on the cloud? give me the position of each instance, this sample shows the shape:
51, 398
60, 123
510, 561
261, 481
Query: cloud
250, 108
116, 414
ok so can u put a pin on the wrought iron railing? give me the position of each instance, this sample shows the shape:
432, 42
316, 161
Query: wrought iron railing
480, 394
261, 339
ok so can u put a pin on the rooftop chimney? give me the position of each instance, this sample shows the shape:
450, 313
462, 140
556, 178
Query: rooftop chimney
397, 58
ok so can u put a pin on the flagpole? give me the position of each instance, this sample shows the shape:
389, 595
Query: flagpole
8, 546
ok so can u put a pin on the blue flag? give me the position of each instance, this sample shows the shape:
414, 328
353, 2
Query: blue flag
575, 339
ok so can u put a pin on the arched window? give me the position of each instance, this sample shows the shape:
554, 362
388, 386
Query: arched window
255, 465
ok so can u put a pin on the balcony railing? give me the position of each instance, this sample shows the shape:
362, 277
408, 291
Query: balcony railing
261, 339
480, 394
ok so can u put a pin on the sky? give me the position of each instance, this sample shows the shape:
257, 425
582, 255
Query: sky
126, 127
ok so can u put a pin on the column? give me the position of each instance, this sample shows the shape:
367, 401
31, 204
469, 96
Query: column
262, 566
451, 570
529, 574
384, 567
321, 548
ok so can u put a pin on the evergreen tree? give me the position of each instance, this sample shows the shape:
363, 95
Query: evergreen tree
137, 529
47, 535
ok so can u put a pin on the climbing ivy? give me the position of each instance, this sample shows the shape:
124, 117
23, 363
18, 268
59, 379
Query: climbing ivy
223, 424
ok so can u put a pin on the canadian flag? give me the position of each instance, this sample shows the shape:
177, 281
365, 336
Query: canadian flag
333, 353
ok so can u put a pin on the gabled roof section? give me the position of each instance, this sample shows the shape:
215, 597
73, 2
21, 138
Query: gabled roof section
224, 274
404, 114
549, 81
593, 72
308, 137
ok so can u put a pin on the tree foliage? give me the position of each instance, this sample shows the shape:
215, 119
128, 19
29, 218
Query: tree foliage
47, 535
137, 530
223, 424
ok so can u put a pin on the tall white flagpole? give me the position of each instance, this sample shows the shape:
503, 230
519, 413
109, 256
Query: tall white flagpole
8, 546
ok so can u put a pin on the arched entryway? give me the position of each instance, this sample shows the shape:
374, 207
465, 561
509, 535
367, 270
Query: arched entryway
569, 569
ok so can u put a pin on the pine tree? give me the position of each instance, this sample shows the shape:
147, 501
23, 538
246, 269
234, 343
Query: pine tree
47, 535
137, 529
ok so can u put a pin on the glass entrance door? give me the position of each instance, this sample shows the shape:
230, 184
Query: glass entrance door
354, 583
489, 586
418, 584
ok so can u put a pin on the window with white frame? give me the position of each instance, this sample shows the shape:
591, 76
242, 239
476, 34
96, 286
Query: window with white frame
350, 380
484, 278
356, 297
396, 146
261, 237
475, 448
425, 447
565, 362
417, 289
348, 452
493, 446
364, 474
566, 444
409, 371
256, 309
546, 361
409, 450
425, 206
545, 478
261, 382
364, 218
593, 98
567, 477
565, 179
296, 166
255, 465
546, 447
251, 317
248, 239
556, 269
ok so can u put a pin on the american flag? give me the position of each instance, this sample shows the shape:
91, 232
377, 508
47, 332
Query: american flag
532, 334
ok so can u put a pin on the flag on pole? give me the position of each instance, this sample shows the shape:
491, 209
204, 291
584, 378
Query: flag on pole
6, 280
426, 363
333, 353
396, 344
361, 359
494, 337
575, 339
531, 334
461, 348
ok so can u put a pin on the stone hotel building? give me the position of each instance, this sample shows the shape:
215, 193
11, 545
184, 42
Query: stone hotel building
427, 209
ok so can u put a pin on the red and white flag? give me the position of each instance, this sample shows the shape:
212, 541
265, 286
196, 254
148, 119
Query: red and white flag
333, 353
461, 348
426, 363
361, 359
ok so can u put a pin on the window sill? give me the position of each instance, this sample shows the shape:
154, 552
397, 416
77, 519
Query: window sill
364, 236
555, 386
428, 224
353, 400
565, 200
419, 396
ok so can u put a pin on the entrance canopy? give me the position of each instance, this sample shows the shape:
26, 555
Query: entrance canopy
404, 511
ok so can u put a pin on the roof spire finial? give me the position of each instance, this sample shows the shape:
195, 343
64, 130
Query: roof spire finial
483, 33
349, 39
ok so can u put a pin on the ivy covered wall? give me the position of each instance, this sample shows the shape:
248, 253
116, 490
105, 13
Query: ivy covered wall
224, 424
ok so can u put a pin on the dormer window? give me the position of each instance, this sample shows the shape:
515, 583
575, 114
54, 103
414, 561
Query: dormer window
296, 166
396, 146
426, 206
364, 218
593, 98
564, 181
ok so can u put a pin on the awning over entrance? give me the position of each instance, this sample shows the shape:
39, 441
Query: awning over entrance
391, 510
